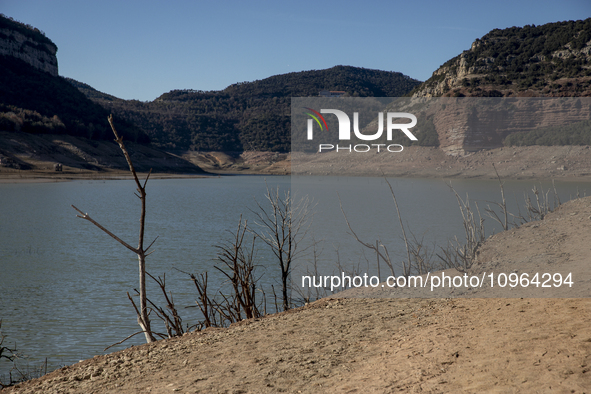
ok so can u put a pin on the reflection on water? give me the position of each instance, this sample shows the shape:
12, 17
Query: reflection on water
63, 282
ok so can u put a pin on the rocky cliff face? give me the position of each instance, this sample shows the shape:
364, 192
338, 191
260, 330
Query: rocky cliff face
457, 76
468, 125
28, 44
552, 60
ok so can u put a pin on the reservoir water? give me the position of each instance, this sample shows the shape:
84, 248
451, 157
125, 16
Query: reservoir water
63, 282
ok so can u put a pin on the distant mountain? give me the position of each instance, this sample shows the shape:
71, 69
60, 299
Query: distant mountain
355, 81
244, 116
547, 60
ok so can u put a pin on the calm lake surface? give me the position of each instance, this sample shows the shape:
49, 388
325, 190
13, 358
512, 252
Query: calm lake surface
63, 282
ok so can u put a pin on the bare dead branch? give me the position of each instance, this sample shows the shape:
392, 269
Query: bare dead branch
172, 322
147, 177
85, 216
123, 340
503, 201
148, 248
119, 140
406, 270
375, 248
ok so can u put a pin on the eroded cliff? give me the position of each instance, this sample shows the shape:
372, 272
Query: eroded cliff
29, 44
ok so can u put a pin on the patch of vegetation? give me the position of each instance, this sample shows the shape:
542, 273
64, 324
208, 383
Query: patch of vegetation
89, 91
17, 119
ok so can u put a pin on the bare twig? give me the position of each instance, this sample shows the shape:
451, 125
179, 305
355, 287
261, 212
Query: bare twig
405, 269
239, 269
174, 321
85, 216
384, 255
461, 255
283, 224
123, 340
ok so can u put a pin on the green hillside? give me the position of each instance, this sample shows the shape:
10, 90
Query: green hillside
244, 116
547, 60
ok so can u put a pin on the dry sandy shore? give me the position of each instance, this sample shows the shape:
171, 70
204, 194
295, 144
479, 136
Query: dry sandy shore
528, 162
383, 345
532, 162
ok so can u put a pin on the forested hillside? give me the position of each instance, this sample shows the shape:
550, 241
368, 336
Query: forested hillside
546, 60
247, 115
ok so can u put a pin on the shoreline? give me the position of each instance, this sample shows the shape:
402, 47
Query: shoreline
47, 176
537, 163
510, 163
50, 178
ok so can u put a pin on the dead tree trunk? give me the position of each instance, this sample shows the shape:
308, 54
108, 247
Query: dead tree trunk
143, 318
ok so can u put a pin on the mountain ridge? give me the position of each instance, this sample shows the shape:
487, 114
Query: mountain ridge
245, 115
546, 60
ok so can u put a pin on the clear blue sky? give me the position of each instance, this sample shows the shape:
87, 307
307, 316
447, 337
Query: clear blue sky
141, 49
